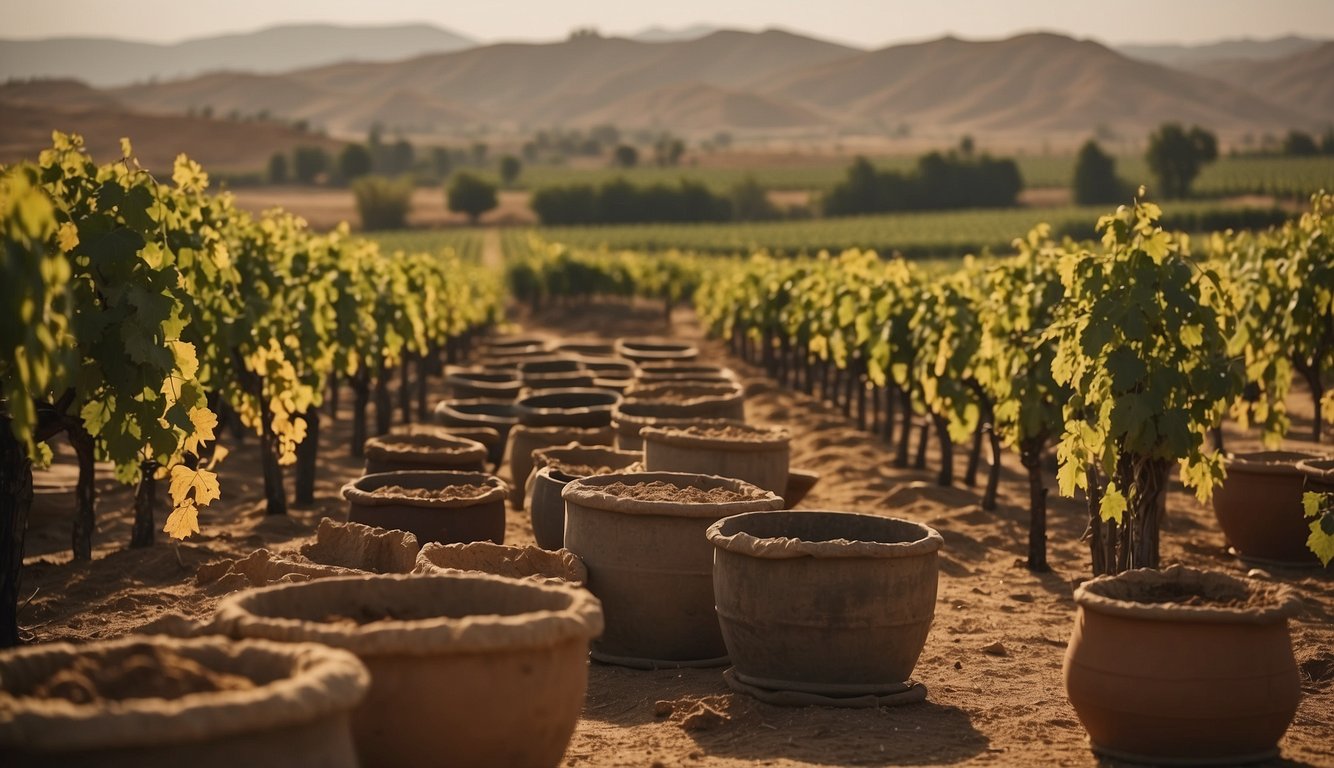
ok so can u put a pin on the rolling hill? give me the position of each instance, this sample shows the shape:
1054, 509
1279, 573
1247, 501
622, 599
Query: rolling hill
1303, 81
1193, 57
108, 61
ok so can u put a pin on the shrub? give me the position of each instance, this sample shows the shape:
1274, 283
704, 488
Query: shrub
382, 203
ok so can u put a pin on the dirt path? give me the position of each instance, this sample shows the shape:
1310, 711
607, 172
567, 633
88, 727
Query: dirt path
986, 705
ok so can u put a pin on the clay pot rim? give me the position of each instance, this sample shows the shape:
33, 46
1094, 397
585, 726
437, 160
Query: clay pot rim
481, 377
580, 616
655, 344
698, 392
1092, 595
522, 407
321, 681
542, 455
565, 360
512, 341
430, 449
764, 438
450, 407
358, 492
1269, 462
1320, 470
786, 547
585, 491
568, 563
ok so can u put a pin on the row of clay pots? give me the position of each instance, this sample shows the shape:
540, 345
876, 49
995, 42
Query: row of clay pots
1259, 504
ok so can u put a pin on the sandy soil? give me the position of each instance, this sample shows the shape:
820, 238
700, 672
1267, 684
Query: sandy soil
992, 664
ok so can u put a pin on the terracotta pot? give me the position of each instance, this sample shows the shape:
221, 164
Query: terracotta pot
1167, 682
661, 372
652, 567
466, 668
654, 350
362, 547
480, 414
543, 490
396, 453
525, 439
1318, 475
589, 347
478, 516
472, 383
547, 381
296, 713
758, 455
689, 400
550, 364
774, 578
496, 346
573, 407
1259, 507
536, 563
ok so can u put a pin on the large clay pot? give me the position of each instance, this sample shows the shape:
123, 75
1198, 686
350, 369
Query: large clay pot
1183, 666
825, 608
472, 508
586, 347
653, 350
655, 373
684, 399
1318, 475
467, 669
758, 455
629, 420
473, 383
398, 453
1259, 507
502, 560
651, 564
524, 440
480, 414
556, 466
161, 701
498, 346
574, 407
489, 437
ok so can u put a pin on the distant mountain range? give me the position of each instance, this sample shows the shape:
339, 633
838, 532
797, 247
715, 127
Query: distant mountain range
1205, 54
108, 61
772, 82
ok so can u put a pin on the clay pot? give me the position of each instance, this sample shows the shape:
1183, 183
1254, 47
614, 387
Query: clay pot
689, 400
1318, 475
662, 372
479, 515
629, 420
652, 567
653, 350
1259, 507
589, 347
295, 713
361, 547
574, 407
543, 490
471, 383
480, 414
775, 575
1166, 682
758, 455
525, 439
395, 453
560, 565
497, 346
466, 668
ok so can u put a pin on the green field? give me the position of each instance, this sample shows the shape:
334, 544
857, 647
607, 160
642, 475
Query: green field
467, 243
947, 233
1228, 176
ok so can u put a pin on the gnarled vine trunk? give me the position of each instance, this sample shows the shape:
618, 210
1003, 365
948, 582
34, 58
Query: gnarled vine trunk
361, 398
1030, 455
85, 490
15, 501
307, 457
383, 404
946, 475
275, 496
1134, 543
144, 529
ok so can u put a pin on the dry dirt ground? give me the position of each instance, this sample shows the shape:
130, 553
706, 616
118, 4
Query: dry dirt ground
987, 704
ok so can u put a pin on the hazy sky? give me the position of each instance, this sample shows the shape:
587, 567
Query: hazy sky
865, 22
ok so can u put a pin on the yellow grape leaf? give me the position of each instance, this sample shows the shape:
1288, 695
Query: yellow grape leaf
1321, 543
125, 149
1113, 505
205, 422
183, 521
219, 453
203, 482
186, 359
67, 237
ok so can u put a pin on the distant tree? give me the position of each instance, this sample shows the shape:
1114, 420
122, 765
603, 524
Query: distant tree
750, 201
667, 151
400, 157
354, 162
509, 169
442, 163
278, 168
383, 203
967, 146
722, 139
530, 151
1095, 179
1327, 143
479, 150
308, 163
1299, 144
206, 112
625, 156
859, 192
1175, 157
470, 195
605, 135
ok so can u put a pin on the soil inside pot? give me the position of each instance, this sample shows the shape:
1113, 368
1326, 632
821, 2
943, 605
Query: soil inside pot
144, 672
1209, 596
740, 433
680, 393
574, 469
660, 490
447, 493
